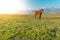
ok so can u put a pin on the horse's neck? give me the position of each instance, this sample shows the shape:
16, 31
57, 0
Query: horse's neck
40, 11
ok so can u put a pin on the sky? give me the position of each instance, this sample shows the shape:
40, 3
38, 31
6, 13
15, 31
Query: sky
13, 6
43, 3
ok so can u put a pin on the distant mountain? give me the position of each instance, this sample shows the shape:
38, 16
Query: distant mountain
46, 11
52, 10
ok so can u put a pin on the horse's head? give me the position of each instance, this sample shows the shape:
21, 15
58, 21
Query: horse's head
42, 10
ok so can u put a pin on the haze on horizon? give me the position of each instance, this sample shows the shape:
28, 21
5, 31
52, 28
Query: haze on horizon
13, 6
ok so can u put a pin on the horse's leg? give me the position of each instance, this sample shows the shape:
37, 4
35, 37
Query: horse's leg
35, 16
40, 16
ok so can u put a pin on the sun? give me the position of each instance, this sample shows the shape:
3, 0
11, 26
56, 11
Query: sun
11, 6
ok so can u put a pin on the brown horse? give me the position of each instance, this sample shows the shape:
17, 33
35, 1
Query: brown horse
39, 13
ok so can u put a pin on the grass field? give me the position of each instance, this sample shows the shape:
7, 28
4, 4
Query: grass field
26, 27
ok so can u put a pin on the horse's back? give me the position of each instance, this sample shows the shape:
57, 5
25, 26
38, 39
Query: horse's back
36, 12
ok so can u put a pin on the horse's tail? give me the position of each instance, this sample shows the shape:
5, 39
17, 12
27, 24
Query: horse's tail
35, 13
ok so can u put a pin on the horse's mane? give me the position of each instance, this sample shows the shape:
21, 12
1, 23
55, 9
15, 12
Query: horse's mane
39, 10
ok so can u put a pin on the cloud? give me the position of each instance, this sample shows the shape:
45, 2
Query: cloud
31, 8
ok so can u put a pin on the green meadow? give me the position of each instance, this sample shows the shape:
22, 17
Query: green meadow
26, 27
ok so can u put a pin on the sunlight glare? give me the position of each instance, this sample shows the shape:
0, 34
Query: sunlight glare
11, 6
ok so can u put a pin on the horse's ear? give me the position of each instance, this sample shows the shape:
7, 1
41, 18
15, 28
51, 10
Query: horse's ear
42, 9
